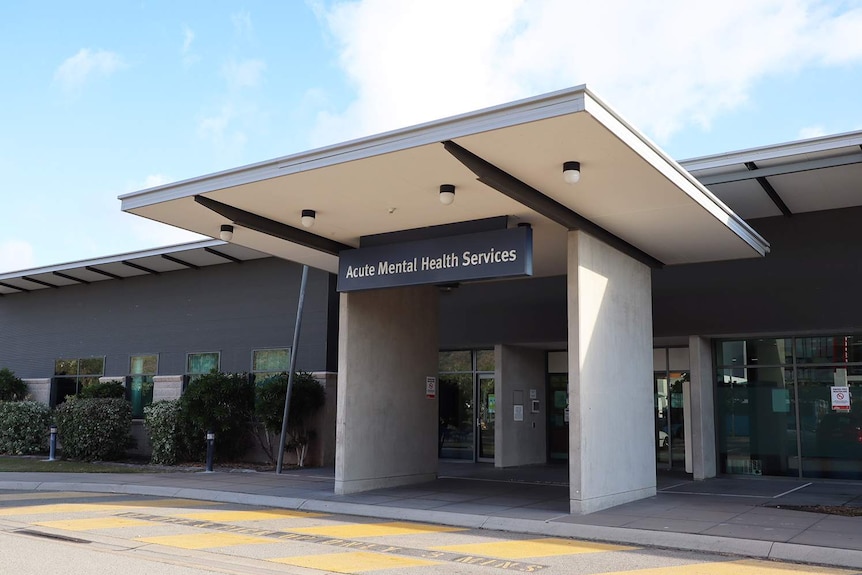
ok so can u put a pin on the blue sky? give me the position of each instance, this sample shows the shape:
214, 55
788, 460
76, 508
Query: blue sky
104, 98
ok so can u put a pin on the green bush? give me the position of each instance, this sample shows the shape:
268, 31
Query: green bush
106, 389
12, 388
94, 429
222, 403
24, 427
163, 427
307, 397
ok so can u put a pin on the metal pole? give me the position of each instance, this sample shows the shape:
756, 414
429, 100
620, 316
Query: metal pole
293, 353
210, 450
53, 444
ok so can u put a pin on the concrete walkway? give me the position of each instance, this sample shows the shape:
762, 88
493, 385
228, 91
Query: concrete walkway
733, 515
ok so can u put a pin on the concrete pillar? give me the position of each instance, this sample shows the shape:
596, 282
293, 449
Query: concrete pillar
167, 387
702, 412
519, 372
612, 427
39, 389
386, 428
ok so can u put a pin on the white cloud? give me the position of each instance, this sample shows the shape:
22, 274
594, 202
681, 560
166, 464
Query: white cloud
243, 74
74, 72
811, 132
16, 255
188, 56
242, 24
664, 65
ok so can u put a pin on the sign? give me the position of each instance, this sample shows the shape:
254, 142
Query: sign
479, 256
519, 413
840, 398
430, 387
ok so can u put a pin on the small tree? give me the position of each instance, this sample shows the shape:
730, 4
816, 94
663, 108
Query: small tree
306, 399
12, 388
222, 403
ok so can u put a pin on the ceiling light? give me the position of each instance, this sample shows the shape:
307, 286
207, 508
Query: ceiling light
447, 194
226, 232
307, 218
572, 172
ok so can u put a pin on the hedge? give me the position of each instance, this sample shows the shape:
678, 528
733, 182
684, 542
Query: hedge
94, 429
24, 427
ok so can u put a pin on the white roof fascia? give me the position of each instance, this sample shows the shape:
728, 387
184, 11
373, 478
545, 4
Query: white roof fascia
674, 172
115, 258
531, 109
772, 152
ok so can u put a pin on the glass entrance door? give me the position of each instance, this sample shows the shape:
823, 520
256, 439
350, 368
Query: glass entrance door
457, 422
487, 402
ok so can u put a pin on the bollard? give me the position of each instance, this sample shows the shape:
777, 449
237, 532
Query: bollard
210, 450
53, 444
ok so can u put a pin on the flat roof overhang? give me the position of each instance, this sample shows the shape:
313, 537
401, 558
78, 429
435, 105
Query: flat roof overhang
629, 188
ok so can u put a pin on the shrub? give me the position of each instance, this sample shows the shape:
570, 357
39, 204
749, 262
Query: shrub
24, 427
11, 388
307, 397
94, 429
106, 389
163, 427
222, 403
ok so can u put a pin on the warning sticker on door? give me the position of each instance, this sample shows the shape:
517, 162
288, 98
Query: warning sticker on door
840, 398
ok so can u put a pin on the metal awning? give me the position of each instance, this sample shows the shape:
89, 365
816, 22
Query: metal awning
629, 188
810, 175
118, 267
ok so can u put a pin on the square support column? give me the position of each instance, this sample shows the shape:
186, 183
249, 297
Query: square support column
702, 409
519, 371
386, 428
611, 423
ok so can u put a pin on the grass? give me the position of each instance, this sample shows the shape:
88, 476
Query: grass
39, 464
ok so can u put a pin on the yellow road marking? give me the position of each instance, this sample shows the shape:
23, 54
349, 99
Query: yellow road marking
251, 515
54, 508
106, 506
205, 540
354, 530
49, 495
355, 562
93, 523
533, 548
746, 567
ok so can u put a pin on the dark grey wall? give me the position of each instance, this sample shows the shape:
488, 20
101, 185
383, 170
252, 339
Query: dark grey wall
810, 282
231, 308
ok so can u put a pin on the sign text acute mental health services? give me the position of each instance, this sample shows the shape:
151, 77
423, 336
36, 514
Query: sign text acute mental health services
484, 255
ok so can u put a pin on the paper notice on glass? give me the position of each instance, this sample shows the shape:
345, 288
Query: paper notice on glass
840, 398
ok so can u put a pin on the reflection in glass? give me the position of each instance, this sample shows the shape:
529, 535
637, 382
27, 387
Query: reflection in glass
455, 361
487, 416
757, 421
456, 416
831, 439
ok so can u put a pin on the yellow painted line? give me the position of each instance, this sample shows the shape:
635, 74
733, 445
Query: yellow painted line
54, 508
108, 506
533, 548
251, 515
355, 562
205, 540
93, 523
745, 567
165, 503
50, 495
354, 530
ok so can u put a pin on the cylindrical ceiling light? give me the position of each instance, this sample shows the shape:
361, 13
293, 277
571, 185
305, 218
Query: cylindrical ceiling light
226, 232
307, 218
572, 172
447, 194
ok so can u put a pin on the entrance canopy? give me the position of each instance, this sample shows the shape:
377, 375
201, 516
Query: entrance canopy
503, 161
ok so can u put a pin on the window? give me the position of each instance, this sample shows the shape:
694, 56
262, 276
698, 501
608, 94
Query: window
198, 364
70, 375
142, 368
269, 362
